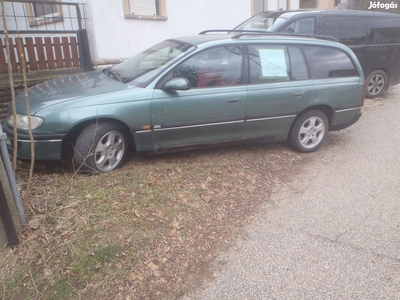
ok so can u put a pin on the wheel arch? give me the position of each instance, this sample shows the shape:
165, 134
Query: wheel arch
73, 134
326, 109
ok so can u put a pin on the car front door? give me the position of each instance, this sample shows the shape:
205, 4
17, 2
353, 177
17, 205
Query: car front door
212, 110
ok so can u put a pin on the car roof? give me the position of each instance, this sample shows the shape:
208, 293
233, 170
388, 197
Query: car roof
291, 13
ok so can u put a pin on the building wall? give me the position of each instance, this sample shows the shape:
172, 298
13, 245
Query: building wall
326, 4
112, 37
281, 4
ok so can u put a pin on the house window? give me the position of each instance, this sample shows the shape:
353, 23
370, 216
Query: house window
145, 9
43, 13
42, 9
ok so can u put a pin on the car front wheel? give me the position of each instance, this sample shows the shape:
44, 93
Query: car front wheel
376, 84
101, 147
308, 131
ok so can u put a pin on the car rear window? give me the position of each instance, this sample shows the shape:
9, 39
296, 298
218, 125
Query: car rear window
327, 62
384, 30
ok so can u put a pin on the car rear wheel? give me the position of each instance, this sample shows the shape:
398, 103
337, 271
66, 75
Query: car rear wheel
101, 147
376, 84
308, 131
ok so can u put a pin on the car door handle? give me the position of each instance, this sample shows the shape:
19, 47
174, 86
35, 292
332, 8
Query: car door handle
234, 101
298, 95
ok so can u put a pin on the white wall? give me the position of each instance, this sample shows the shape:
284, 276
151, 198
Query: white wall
113, 37
283, 4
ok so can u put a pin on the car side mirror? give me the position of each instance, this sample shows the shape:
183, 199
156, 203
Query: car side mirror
177, 84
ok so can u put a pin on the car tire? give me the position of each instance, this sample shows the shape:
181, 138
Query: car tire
376, 83
309, 130
101, 147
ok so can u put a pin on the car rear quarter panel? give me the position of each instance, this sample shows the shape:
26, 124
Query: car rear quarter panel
340, 94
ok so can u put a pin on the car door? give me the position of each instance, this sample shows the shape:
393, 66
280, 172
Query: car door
212, 110
279, 88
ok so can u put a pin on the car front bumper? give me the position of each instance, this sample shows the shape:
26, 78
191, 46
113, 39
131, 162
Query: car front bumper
46, 146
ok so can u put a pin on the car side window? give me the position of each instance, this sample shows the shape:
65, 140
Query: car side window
301, 26
327, 62
383, 30
220, 66
268, 63
298, 64
348, 30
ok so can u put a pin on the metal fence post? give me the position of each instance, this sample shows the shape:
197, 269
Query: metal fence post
84, 51
10, 176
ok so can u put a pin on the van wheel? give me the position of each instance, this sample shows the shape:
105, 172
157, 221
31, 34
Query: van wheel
376, 83
101, 147
308, 131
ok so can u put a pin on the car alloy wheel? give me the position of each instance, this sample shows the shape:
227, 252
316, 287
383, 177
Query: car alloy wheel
376, 84
309, 131
101, 147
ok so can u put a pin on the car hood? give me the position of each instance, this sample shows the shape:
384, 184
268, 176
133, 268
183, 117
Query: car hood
66, 89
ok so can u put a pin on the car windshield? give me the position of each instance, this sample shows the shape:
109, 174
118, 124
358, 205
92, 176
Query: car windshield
259, 22
144, 67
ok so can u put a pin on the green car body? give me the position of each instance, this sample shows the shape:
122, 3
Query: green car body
163, 109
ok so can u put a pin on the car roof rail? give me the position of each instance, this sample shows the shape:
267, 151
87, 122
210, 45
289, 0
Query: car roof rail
229, 31
258, 33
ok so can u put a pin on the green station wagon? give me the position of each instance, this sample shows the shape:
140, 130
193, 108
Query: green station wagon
196, 90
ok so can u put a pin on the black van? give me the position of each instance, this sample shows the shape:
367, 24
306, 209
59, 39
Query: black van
373, 36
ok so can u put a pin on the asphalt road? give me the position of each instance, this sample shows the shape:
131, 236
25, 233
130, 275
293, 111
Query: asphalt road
332, 231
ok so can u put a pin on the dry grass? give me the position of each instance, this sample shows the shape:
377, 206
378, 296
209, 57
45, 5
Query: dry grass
146, 231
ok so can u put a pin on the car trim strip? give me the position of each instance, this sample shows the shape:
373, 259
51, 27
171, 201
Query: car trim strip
270, 118
156, 128
254, 118
181, 125
348, 109
143, 131
39, 141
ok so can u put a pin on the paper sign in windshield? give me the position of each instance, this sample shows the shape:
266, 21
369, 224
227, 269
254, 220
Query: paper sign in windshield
273, 62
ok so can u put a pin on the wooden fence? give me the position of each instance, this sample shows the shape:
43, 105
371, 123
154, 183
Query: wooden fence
41, 53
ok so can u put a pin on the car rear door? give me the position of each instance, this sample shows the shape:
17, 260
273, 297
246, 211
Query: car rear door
279, 87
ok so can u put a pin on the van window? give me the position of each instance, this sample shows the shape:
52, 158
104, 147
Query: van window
268, 64
298, 64
348, 30
301, 26
384, 30
258, 23
328, 62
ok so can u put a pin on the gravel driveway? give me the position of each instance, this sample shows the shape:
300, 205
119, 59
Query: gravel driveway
332, 230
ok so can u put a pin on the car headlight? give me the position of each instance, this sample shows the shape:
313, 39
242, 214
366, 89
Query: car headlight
23, 121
